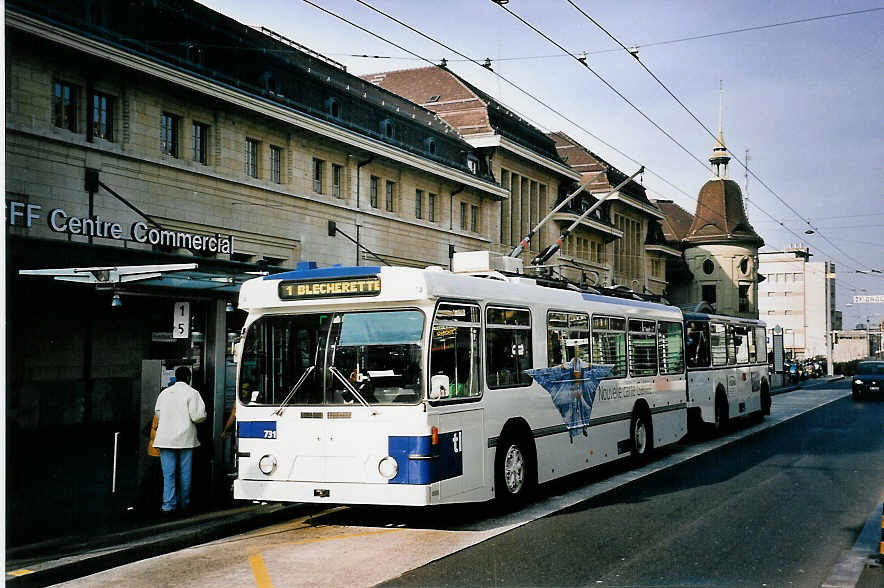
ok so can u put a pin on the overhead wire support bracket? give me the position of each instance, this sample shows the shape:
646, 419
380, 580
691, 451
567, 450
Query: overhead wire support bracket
551, 250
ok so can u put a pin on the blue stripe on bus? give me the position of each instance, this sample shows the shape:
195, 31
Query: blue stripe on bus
327, 272
256, 429
421, 463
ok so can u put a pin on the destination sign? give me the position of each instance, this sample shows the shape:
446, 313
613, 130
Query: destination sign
300, 289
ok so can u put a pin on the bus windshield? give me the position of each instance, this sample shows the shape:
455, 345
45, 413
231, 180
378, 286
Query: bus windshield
377, 354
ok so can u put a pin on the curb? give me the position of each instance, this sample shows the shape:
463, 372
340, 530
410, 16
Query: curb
141, 544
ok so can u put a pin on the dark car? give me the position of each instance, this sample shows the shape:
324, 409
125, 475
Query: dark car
868, 380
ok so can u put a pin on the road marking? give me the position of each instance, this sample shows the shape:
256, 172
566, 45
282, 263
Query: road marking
21, 572
262, 578
849, 567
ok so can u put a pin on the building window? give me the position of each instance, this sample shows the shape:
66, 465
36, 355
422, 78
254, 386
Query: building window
102, 117
387, 128
251, 158
473, 164
708, 267
373, 192
389, 194
463, 216
745, 303
336, 180
431, 145
474, 219
318, 164
418, 203
200, 139
64, 106
334, 107
709, 293
276, 164
431, 207
169, 134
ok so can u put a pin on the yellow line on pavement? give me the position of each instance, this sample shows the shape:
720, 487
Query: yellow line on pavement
262, 578
21, 572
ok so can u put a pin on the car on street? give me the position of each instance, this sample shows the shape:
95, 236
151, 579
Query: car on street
868, 379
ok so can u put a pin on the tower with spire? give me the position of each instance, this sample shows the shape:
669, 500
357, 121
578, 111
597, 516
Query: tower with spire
721, 247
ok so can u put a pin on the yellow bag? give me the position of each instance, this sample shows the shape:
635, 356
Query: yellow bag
151, 450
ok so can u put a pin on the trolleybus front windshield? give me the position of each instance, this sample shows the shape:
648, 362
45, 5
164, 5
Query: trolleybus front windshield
375, 354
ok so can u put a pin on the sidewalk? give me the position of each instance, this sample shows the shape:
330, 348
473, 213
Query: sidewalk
66, 558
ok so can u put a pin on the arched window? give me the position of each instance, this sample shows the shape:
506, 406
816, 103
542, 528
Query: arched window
430, 144
708, 267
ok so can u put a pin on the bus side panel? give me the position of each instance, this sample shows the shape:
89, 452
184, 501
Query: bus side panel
469, 440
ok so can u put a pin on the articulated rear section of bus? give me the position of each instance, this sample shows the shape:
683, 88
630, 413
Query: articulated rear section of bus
332, 410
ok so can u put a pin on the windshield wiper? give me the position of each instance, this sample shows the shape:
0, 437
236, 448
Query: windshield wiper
294, 390
350, 387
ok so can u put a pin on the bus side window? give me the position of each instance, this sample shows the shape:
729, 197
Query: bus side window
669, 348
741, 344
761, 344
642, 348
609, 343
697, 344
750, 338
718, 344
567, 337
730, 346
454, 350
508, 347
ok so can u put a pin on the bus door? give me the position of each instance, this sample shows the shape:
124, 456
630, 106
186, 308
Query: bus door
456, 394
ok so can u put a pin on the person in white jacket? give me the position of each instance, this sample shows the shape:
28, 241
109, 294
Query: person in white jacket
179, 408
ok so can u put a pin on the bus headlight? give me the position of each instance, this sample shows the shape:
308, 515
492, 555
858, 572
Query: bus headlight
267, 464
388, 467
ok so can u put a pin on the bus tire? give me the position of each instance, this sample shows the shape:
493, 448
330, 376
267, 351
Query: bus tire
722, 417
514, 470
641, 433
765, 399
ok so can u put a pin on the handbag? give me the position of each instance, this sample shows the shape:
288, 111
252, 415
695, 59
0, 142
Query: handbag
151, 450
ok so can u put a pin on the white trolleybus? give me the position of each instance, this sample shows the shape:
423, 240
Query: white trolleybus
403, 386
727, 369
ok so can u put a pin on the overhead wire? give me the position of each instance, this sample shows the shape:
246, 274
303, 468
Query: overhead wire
499, 76
653, 43
606, 83
422, 58
708, 131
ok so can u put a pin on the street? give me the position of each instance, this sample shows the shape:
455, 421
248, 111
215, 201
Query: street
775, 507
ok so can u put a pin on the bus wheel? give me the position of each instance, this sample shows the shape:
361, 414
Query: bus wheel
721, 414
641, 435
513, 471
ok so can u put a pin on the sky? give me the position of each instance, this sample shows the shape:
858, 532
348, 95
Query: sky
806, 99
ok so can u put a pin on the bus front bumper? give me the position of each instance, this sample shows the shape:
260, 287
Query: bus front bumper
335, 492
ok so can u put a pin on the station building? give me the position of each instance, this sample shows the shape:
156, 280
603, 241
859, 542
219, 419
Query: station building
158, 154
